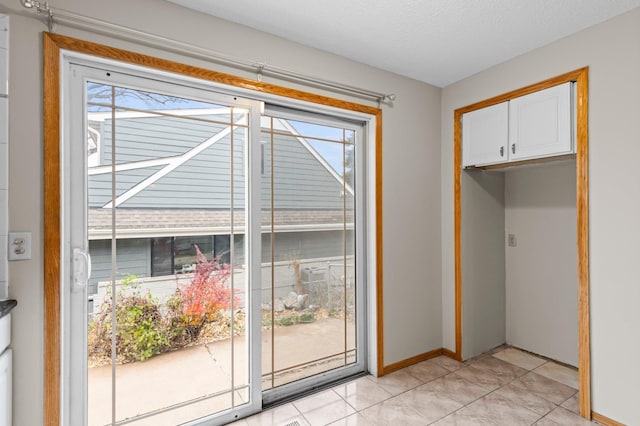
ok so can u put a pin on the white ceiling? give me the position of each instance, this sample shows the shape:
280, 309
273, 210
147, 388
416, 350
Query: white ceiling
435, 41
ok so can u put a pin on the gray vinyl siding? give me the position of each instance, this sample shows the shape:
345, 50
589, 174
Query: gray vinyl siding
306, 245
301, 182
200, 183
147, 138
133, 256
100, 185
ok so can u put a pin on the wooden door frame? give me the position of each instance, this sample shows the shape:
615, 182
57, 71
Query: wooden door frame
581, 77
53, 44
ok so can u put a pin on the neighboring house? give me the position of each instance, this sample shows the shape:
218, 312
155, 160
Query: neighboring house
173, 190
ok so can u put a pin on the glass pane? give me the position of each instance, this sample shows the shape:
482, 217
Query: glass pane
105, 95
317, 131
308, 251
166, 204
161, 256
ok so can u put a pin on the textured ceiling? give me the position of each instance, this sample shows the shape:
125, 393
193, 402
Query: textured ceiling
435, 41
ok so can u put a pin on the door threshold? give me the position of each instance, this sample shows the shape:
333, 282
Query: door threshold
312, 390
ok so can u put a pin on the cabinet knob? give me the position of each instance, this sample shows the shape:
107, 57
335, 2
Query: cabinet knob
502, 151
513, 148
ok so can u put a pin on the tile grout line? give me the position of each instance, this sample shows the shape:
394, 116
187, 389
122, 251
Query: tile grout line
401, 393
453, 371
501, 386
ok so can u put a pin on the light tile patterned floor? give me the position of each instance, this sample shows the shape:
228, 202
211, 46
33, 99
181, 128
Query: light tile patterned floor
504, 387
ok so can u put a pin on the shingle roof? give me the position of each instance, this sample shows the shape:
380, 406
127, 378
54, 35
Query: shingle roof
172, 222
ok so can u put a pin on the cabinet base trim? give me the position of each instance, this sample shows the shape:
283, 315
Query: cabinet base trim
523, 162
410, 361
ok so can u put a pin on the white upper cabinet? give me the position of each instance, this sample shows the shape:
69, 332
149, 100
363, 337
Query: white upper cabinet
533, 126
485, 135
540, 124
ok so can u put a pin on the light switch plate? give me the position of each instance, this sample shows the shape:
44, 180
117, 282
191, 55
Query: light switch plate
19, 246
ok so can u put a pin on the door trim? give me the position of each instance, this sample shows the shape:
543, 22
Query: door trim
581, 77
53, 45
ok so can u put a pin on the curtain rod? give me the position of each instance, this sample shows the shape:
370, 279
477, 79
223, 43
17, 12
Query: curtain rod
54, 15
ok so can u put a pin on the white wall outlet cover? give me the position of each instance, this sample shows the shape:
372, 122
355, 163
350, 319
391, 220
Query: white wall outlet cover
19, 246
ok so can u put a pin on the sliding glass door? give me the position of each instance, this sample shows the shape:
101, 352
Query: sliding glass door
312, 291
161, 204
213, 250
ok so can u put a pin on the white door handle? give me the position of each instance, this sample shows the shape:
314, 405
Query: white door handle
81, 269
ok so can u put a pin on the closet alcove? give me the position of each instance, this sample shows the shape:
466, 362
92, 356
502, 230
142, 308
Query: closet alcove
521, 224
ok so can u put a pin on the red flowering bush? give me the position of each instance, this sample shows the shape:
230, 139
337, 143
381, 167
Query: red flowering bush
202, 299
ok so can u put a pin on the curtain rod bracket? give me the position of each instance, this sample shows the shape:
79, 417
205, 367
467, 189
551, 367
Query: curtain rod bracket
40, 8
259, 69
51, 25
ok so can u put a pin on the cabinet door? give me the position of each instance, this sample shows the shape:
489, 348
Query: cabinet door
5, 388
485, 135
540, 124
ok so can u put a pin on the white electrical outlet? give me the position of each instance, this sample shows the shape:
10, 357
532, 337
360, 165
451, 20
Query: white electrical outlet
19, 246
511, 240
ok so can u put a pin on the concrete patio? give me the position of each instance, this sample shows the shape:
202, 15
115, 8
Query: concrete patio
185, 375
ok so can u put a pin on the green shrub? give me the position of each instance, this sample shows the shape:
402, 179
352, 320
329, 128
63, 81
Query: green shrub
307, 318
141, 329
286, 321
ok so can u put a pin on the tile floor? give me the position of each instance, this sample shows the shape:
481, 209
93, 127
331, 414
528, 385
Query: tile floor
503, 387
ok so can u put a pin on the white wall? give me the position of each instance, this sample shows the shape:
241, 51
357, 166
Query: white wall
483, 261
612, 51
4, 156
541, 270
524, 295
411, 171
